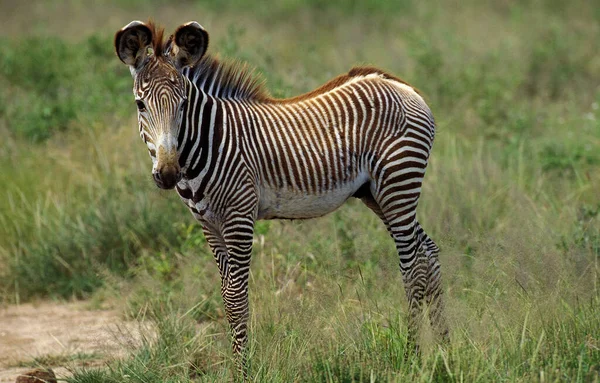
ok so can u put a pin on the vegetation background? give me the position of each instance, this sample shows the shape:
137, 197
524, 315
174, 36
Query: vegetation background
511, 194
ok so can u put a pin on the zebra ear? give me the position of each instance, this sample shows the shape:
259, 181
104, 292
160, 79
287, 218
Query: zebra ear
189, 44
132, 43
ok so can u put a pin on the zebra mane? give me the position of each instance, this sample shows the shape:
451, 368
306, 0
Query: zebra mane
157, 37
231, 79
227, 79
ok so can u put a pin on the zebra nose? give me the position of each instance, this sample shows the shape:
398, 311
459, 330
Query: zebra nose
167, 177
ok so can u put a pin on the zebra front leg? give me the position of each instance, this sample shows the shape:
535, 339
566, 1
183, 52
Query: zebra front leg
232, 258
235, 298
218, 248
238, 231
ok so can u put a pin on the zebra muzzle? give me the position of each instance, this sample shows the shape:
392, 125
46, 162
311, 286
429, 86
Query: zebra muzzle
166, 171
167, 177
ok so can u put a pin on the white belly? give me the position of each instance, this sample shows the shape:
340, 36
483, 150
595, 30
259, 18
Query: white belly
283, 203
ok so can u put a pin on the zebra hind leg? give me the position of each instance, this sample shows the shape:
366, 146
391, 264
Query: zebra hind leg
434, 291
413, 264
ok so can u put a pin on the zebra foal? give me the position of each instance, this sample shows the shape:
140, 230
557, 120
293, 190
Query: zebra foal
236, 155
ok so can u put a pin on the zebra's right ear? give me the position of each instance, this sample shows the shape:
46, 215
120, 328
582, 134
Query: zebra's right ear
189, 44
132, 43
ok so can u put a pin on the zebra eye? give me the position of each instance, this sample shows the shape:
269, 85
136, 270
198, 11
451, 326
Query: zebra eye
140, 105
183, 104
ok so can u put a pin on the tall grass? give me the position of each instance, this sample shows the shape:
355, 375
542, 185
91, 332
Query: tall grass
510, 195
53, 85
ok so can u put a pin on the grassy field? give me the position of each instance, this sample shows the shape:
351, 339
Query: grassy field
512, 193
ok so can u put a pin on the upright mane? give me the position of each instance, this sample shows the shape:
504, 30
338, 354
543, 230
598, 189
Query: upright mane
238, 80
227, 79
158, 44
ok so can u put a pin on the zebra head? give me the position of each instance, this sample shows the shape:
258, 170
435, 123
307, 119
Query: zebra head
160, 89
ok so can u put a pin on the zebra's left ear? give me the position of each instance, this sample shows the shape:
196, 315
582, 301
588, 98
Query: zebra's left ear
189, 44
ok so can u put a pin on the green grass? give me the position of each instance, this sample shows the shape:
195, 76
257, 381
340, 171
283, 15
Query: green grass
367, 348
58, 97
511, 195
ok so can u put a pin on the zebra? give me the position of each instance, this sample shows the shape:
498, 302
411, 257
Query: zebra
236, 155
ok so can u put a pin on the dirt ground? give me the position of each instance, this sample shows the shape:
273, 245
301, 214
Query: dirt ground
64, 335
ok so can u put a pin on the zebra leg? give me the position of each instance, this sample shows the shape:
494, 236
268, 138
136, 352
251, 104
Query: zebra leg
414, 270
238, 231
414, 275
218, 248
434, 292
412, 259
232, 249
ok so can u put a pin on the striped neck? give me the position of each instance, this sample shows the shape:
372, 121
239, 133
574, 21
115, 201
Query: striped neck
201, 130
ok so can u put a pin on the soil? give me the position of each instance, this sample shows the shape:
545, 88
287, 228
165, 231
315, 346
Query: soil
60, 336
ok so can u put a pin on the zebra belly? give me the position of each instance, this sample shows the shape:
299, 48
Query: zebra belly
290, 204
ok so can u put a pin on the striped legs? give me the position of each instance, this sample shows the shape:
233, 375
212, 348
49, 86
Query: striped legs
394, 199
219, 250
414, 270
434, 292
413, 264
232, 247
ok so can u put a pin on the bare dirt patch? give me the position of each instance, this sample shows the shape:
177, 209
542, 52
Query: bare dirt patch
61, 336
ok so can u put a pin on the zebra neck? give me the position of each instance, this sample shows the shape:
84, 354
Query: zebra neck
201, 132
